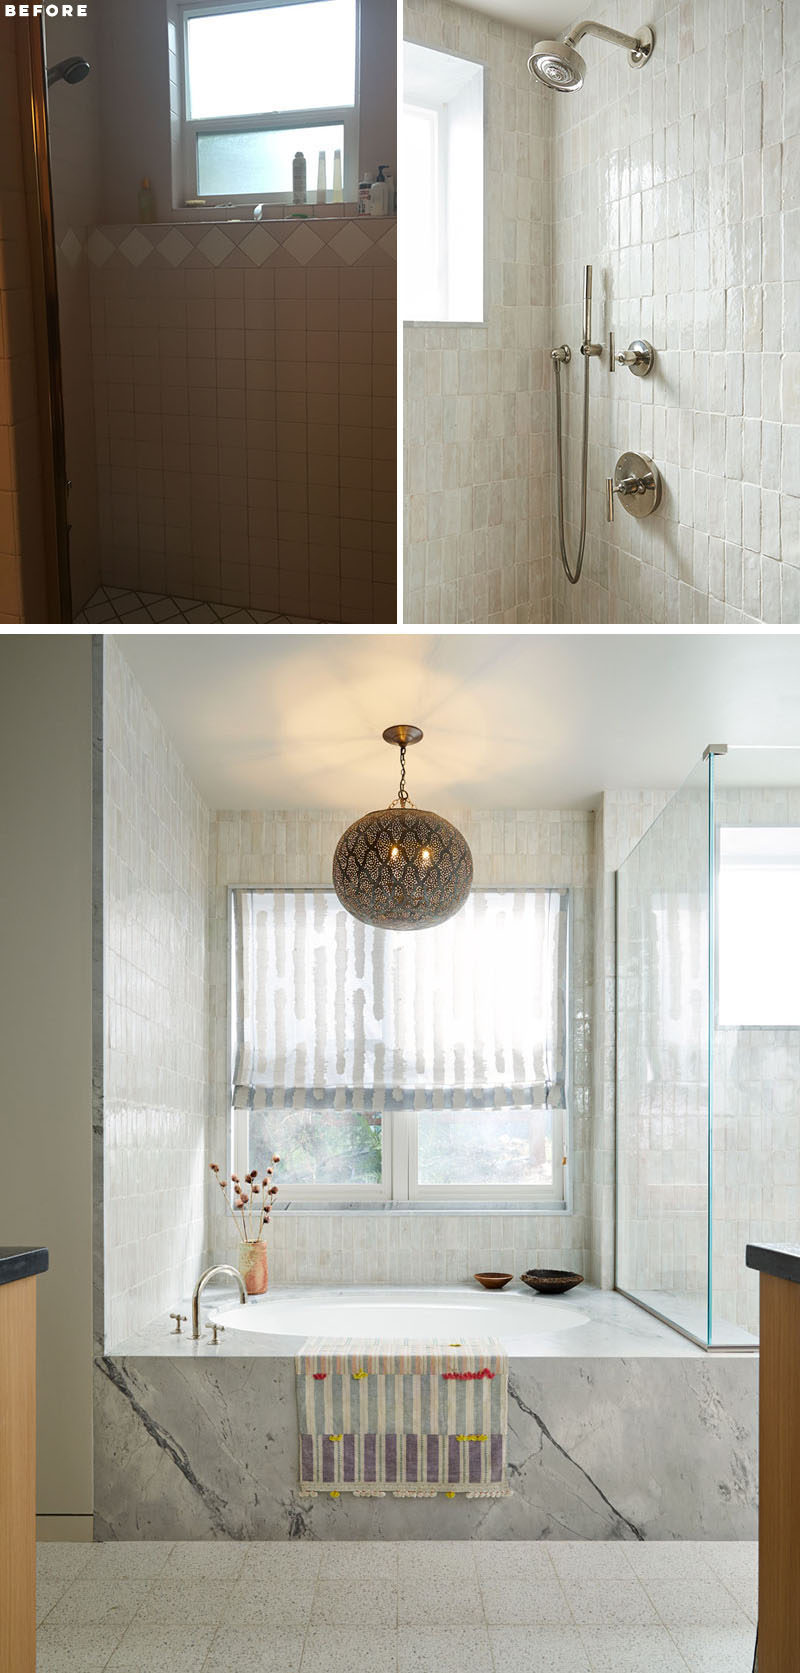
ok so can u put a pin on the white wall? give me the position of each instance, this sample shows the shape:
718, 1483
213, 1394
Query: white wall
46, 1031
545, 848
680, 182
154, 961
477, 397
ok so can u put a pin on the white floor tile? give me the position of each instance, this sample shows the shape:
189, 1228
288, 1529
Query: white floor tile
206, 1559
95, 1603
337, 1649
50, 1588
538, 1650
162, 1649
590, 1559
524, 1603
136, 1559
356, 1560
696, 1602
299, 1560
288, 1603
439, 1602
173, 1602
364, 1603
241, 1650
632, 1649
75, 1649
63, 1559
610, 1603
716, 1649
444, 1650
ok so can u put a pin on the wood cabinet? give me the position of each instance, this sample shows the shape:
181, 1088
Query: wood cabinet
17, 1470
779, 1457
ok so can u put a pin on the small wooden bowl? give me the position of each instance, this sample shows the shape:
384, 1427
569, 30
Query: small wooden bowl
493, 1280
549, 1282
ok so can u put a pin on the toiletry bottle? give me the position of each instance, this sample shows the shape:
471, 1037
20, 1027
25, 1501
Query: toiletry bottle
337, 177
379, 193
299, 178
322, 179
147, 207
364, 189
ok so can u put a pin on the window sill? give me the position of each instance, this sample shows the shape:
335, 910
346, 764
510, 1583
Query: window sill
466, 1207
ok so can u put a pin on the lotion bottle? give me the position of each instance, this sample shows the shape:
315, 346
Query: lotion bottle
299, 178
322, 179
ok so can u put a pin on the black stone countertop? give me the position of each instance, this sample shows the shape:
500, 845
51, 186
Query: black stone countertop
21, 1263
779, 1260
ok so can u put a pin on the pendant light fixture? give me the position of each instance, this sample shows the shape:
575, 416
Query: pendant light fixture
402, 867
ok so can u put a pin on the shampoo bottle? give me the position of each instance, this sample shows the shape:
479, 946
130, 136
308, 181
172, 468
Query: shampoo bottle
337, 176
147, 207
322, 180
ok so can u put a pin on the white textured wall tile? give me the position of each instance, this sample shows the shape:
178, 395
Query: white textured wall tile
508, 848
155, 1081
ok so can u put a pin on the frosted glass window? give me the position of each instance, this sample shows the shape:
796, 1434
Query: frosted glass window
271, 58
442, 167
261, 162
758, 927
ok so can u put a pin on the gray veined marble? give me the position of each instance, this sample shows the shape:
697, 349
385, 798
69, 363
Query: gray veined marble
604, 1448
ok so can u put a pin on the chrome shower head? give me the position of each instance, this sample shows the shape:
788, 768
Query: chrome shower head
560, 66
71, 70
557, 65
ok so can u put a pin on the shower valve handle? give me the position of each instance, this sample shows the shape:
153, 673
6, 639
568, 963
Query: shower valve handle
638, 482
628, 485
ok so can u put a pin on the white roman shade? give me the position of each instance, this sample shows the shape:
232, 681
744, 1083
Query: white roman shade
329, 1012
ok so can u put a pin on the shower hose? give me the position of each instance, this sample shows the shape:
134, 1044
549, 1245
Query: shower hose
573, 575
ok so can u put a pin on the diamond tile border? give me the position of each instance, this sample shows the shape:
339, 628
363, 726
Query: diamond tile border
355, 241
126, 606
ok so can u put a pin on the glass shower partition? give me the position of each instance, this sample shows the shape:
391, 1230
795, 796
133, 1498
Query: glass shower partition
708, 1043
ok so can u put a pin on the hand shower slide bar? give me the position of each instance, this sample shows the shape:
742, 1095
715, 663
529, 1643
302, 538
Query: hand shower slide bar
561, 356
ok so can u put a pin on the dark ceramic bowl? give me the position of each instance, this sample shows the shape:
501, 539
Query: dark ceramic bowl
493, 1280
549, 1282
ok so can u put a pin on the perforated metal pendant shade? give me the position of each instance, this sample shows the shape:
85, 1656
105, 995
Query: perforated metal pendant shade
402, 867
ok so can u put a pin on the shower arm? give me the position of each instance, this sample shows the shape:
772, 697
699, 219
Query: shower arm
603, 33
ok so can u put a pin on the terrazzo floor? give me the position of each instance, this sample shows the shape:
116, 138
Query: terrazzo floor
408, 1607
129, 607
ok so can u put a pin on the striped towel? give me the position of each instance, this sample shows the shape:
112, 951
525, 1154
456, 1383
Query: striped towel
416, 1419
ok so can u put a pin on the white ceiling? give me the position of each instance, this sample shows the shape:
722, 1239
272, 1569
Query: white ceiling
542, 22
510, 721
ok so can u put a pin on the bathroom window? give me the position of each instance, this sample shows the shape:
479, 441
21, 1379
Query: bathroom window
758, 895
442, 163
260, 82
428, 1068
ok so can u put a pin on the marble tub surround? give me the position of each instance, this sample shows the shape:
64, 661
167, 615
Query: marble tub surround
631, 1448
413, 1607
608, 1326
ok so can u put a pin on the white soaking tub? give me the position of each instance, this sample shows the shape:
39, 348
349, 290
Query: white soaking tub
451, 1314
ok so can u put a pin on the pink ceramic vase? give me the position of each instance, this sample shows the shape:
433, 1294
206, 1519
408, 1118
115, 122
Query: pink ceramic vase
253, 1266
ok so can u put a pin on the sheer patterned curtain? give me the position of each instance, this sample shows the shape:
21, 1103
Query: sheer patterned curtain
330, 1012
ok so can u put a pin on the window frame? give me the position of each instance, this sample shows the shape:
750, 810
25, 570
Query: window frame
438, 112
186, 187
400, 1187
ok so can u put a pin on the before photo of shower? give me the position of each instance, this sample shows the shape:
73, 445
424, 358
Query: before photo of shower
603, 423
198, 232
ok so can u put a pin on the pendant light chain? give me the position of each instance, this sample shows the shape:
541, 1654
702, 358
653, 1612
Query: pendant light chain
402, 794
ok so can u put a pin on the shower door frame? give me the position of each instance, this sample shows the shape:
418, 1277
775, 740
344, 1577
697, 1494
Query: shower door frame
32, 81
711, 884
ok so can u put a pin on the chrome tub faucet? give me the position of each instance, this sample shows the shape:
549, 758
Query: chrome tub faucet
211, 1272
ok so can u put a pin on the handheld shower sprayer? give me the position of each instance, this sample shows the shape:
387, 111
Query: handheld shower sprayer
70, 70
559, 65
559, 357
